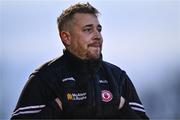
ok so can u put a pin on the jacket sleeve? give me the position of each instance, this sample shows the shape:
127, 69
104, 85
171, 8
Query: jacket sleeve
133, 107
36, 101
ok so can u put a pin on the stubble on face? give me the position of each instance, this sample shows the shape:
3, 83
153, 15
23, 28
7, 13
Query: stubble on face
94, 50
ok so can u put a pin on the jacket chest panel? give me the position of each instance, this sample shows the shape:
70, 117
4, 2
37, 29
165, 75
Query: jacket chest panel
83, 94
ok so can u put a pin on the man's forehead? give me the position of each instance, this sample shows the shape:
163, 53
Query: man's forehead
84, 19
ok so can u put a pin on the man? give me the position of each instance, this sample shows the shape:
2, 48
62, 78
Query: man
79, 84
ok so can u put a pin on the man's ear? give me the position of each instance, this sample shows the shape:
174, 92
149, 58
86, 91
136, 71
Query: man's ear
65, 37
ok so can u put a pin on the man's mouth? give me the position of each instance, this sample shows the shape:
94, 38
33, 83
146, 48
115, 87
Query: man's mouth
95, 45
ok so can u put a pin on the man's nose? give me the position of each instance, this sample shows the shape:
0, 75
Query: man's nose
97, 35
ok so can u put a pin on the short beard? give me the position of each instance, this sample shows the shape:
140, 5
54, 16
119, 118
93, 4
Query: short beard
90, 56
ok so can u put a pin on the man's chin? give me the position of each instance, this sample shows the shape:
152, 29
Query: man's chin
94, 56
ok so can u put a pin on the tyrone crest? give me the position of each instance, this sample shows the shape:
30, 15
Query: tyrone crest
106, 95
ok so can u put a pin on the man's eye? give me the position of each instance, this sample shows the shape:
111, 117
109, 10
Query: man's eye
87, 30
99, 29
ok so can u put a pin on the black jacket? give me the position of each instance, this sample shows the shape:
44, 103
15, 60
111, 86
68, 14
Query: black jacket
86, 88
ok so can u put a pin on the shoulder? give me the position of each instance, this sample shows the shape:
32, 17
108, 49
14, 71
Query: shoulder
49, 66
110, 65
113, 68
48, 71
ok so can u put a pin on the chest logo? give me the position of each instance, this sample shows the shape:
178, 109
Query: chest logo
106, 95
76, 96
103, 81
68, 79
69, 96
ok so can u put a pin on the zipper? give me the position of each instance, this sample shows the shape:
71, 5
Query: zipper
93, 94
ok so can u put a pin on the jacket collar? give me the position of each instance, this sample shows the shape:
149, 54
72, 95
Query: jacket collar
81, 66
